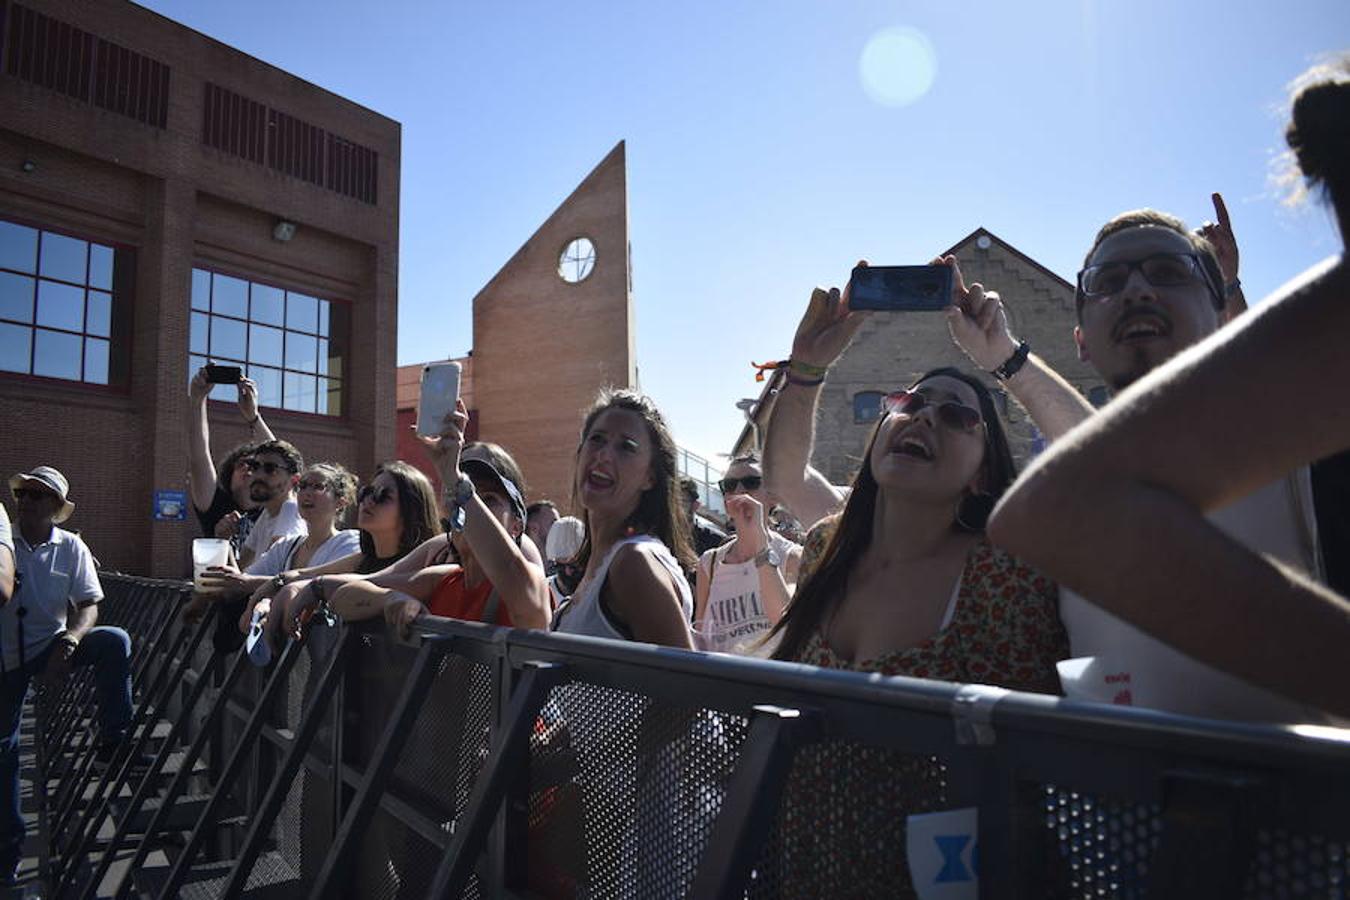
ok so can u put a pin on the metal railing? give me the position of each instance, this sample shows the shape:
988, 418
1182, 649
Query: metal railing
476, 761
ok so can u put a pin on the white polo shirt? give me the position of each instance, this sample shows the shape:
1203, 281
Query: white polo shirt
269, 528
55, 575
6, 533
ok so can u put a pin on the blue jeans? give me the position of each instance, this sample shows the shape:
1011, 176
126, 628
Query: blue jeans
108, 650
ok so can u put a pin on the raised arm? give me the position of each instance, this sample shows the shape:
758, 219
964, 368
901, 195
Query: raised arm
201, 471
248, 408
1220, 236
1115, 510
823, 333
979, 326
503, 558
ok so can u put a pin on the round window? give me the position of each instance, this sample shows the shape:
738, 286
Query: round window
577, 260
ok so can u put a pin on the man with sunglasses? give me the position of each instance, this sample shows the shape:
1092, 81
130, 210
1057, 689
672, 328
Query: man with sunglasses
46, 629
220, 494
274, 471
1150, 288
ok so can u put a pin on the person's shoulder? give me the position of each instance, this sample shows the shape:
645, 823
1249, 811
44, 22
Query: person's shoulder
637, 556
1002, 569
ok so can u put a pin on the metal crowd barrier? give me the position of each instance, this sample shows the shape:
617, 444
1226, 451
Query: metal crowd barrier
475, 761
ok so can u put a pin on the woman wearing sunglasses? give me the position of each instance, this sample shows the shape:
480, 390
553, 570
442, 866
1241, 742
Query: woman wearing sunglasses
743, 586
905, 581
396, 518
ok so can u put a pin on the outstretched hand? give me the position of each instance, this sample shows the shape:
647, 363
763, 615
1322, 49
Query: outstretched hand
977, 320
444, 449
199, 387
1220, 236
826, 328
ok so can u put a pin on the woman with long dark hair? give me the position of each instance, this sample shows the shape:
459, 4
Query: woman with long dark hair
907, 583
636, 546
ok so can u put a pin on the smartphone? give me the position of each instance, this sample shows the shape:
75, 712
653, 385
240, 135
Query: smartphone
908, 288
440, 390
223, 374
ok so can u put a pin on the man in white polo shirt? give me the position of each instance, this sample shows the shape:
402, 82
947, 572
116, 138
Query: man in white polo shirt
47, 628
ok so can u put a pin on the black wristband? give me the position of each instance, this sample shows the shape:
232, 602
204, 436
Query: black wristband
1013, 364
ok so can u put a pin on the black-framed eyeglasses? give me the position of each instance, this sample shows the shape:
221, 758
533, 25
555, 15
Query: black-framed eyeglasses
953, 415
749, 482
378, 496
267, 468
1160, 270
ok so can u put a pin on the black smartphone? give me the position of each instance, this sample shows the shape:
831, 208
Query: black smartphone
906, 288
223, 374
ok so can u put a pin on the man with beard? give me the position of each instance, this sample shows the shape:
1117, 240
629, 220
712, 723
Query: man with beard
1149, 289
275, 468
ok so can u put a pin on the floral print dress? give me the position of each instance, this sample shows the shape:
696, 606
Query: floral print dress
841, 831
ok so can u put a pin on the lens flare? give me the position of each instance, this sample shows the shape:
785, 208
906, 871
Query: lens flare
898, 65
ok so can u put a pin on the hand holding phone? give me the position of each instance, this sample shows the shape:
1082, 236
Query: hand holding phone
901, 288
223, 374
440, 390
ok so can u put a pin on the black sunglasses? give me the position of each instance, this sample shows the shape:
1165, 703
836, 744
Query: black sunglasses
954, 415
32, 493
749, 482
380, 496
267, 468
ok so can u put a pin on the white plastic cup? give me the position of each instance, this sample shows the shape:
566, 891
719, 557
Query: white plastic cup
208, 552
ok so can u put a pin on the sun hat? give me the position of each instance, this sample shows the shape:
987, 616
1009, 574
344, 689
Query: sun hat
52, 480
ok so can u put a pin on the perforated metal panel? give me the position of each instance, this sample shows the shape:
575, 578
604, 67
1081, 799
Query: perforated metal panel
624, 792
435, 773
1108, 846
840, 829
1296, 865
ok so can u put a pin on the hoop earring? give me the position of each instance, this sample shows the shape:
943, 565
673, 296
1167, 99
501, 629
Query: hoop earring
972, 514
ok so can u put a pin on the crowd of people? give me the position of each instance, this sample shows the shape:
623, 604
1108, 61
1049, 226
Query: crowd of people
1195, 531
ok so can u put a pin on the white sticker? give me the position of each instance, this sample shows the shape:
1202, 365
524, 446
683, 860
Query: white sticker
943, 856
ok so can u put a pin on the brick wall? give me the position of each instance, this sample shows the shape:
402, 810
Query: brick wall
178, 203
543, 348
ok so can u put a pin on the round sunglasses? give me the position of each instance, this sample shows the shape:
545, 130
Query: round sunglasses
956, 416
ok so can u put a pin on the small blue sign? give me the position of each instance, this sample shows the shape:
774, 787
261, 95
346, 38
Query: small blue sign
170, 506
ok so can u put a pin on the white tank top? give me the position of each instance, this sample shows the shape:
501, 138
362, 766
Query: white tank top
734, 619
583, 614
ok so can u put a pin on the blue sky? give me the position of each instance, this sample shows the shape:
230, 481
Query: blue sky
758, 164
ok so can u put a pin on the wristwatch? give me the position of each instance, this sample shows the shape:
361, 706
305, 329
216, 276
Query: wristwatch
69, 640
769, 556
454, 503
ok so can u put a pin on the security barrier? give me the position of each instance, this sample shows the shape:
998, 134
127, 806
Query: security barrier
474, 761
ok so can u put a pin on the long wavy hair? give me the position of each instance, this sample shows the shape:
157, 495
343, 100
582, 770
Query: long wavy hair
852, 536
659, 511
416, 509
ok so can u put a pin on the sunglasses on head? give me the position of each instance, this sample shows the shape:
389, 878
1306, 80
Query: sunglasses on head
267, 468
378, 496
749, 482
956, 416
311, 485
1160, 270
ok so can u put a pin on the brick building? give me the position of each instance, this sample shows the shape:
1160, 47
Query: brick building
165, 199
892, 349
550, 329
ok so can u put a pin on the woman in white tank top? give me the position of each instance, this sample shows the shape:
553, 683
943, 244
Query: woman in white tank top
744, 585
636, 542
